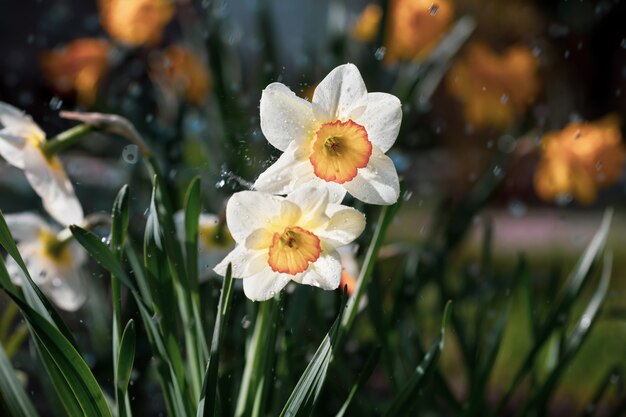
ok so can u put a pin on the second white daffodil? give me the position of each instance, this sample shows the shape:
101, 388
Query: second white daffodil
283, 239
21, 144
338, 140
54, 260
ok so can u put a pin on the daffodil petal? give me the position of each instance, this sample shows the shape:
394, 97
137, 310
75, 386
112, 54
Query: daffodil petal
340, 95
248, 211
377, 183
25, 226
312, 201
286, 174
285, 117
264, 285
345, 225
16, 128
325, 273
382, 119
51, 183
16, 122
12, 149
68, 292
245, 262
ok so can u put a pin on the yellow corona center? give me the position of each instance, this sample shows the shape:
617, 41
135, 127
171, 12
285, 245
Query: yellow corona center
54, 249
292, 250
215, 236
338, 150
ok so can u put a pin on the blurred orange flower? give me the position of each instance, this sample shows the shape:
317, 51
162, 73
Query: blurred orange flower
77, 67
494, 88
579, 159
413, 27
182, 71
136, 22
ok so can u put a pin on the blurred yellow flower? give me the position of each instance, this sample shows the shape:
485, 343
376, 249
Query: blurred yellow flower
494, 88
77, 67
136, 22
413, 27
579, 159
183, 72
366, 27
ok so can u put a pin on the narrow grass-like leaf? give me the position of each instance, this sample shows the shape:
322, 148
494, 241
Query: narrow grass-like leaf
574, 340
614, 376
70, 374
193, 206
195, 339
402, 404
263, 364
563, 304
126, 357
254, 353
119, 226
139, 273
192, 215
101, 253
119, 221
15, 398
208, 400
304, 396
170, 380
366, 371
386, 216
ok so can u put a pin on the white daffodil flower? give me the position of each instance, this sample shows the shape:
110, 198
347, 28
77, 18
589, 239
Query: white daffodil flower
21, 144
54, 260
337, 140
283, 239
214, 241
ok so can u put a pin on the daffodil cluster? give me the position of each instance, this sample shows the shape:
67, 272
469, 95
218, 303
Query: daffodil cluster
52, 258
291, 226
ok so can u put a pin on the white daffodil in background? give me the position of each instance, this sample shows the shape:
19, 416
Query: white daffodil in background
283, 239
21, 144
54, 260
214, 241
337, 140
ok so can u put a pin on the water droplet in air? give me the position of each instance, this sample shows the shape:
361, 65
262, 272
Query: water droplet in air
504, 99
563, 199
130, 153
55, 103
380, 53
517, 208
506, 143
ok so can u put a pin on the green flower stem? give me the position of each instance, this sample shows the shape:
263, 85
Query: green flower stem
65, 139
386, 216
